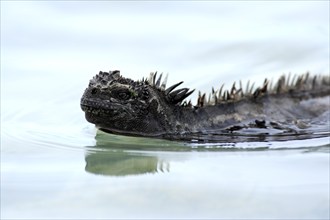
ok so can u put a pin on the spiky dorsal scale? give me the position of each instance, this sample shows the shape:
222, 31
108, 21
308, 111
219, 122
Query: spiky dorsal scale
151, 76
241, 87
173, 96
179, 95
154, 78
167, 91
201, 99
284, 84
159, 80
163, 85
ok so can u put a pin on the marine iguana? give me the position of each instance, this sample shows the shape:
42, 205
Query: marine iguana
147, 108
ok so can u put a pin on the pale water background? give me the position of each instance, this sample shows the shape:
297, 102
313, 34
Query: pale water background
54, 165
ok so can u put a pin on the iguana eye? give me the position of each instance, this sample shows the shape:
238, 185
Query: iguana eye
121, 93
124, 95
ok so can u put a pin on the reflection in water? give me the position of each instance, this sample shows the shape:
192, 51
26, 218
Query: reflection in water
115, 155
120, 163
116, 158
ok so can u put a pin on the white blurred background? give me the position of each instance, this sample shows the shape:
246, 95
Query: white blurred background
50, 49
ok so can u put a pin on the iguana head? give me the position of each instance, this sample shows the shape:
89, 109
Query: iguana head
120, 105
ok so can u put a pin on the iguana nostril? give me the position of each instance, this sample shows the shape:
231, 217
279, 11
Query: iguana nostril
94, 91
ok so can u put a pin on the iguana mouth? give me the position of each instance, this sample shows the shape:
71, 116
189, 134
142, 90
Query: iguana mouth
102, 107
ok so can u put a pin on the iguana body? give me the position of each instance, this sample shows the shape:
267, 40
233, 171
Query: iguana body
146, 108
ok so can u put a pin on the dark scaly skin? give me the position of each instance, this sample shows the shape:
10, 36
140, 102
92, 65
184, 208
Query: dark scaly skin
145, 108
